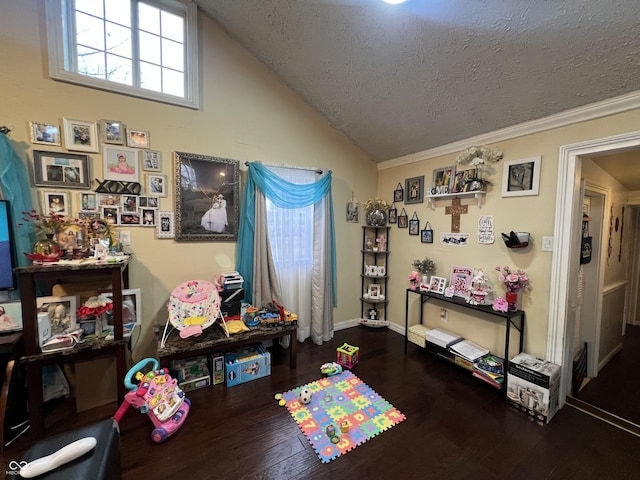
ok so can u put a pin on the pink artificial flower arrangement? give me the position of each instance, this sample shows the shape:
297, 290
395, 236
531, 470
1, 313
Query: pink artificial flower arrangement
500, 305
414, 279
513, 280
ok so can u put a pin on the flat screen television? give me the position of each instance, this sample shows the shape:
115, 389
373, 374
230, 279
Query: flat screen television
7, 254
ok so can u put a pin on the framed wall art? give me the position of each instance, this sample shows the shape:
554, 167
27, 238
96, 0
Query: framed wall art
151, 160
414, 189
398, 193
521, 177
80, 135
392, 214
112, 132
403, 219
56, 202
442, 181
165, 226
426, 235
157, 185
121, 163
44, 134
63, 170
353, 211
414, 225
148, 217
138, 138
88, 202
207, 197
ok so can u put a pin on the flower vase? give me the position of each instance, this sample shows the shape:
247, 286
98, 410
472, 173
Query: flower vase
512, 301
425, 279
376, 218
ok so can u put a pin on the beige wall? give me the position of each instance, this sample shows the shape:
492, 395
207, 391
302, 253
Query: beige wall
534, 214
246, 114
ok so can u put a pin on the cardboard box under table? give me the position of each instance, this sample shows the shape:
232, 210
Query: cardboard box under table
533, 386
247, 364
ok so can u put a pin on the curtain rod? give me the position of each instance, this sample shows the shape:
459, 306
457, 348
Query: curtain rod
317, 170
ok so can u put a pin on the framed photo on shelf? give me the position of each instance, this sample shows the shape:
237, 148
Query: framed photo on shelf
112, 132
521, 177
121, 163
415, 190
62, 170
461, 178
62, 313
151, 160
138, 138
80, 135
10, 316
165, 226
442, 181
460, 280
44, 134
131, 306
211, 212
56, 202
374, 291
438, 284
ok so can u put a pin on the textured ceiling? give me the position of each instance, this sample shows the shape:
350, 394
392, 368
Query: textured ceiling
400, 79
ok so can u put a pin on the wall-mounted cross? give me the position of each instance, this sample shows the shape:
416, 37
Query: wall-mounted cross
455, 210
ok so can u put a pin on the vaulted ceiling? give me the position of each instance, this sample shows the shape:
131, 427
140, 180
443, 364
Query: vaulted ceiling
400, 79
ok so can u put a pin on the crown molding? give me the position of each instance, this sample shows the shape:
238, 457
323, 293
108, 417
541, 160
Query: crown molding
593, 111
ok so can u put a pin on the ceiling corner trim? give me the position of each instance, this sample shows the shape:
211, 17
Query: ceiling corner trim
593, 111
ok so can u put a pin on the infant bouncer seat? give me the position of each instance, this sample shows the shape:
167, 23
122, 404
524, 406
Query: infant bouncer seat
193, 306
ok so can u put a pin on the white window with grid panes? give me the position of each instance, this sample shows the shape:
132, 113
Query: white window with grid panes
144, 48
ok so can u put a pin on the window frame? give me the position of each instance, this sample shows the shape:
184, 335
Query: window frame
60, 48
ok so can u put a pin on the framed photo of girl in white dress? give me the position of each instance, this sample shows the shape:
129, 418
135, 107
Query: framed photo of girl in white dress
207, 197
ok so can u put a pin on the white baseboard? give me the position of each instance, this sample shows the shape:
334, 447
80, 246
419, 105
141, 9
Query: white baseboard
356, 322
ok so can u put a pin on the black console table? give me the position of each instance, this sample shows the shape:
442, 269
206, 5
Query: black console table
511, 319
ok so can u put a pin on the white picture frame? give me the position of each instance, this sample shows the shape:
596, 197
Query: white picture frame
521, 178
165, 224
80, 136
62, 313
58, 203
45, 134
113, 132
121, 164
131, 306
151, 160
437, 284
157, 185
374, 291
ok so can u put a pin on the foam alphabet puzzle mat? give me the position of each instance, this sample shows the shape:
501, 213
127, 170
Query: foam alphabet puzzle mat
343, 413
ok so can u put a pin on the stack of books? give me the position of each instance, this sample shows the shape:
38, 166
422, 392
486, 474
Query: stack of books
490, 369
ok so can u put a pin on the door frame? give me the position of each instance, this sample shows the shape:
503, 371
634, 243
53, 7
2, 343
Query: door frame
567, 226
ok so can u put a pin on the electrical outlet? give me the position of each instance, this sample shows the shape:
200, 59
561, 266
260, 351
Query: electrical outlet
547, 244
444, 316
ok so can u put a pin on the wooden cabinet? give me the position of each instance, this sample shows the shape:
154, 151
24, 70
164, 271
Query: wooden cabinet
515, 320
35, 277
375, 257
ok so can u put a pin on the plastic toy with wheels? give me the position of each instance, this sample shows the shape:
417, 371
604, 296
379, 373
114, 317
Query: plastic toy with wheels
157, 395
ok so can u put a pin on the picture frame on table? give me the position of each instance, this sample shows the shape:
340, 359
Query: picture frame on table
165, 224
62, 313
414, 188
437, 284
56, 202
157, 185
151, 160
45, 134
80, 135
211, 211
460, 280
374, 291
121, 164
521, 177
138, 138
442, 181
131, 306
61, 170
112, 131
10, 317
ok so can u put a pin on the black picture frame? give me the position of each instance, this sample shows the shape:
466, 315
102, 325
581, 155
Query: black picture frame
426, 236
414, 227
206, 187
403, 219
415, 190
392, 215
398, 193
61, 169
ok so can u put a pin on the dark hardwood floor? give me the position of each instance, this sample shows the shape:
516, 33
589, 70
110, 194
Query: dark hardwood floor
456, 428
616, 389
